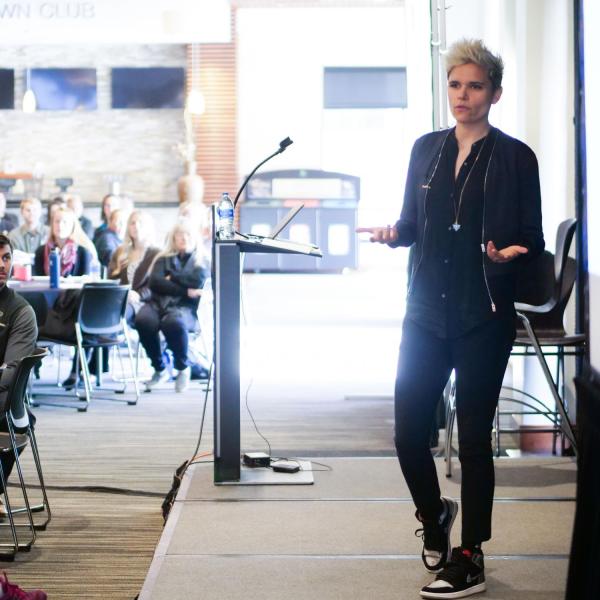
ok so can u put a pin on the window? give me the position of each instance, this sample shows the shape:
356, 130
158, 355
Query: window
364, 87
7, 89
64, 89
151, 87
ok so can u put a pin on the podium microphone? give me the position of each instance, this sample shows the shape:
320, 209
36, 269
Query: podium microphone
283, 144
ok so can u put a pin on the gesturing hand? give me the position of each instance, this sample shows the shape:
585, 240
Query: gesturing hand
383, 235
506, 254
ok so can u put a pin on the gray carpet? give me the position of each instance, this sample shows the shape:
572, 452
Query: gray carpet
344, 538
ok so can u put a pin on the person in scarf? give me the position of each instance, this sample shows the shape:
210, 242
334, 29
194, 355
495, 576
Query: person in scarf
75, 259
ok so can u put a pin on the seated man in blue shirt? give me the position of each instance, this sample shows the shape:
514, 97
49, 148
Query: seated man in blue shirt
111, 237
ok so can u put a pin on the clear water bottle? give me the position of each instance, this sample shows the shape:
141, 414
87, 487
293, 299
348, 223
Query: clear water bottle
95, 271
225, 214
54, 268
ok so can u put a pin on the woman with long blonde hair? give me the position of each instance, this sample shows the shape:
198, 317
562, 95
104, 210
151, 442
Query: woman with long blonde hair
65, 236
133, 259
176, 282
75, 260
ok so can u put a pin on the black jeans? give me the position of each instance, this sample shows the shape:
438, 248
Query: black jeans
479, 359
174, 324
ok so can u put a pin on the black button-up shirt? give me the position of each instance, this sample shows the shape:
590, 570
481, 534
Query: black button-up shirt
451, 268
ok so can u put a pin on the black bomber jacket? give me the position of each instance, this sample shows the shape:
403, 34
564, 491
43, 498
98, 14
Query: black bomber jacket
511, 203
512, 212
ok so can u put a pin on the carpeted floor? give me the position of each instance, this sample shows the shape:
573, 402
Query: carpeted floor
100, 545
318, 365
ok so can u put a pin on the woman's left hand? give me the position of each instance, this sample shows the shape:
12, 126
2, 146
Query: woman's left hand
506, 254
194, 292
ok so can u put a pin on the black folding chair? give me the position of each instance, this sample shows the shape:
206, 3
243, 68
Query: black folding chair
100, 324
542, 329
544, 287
11, 441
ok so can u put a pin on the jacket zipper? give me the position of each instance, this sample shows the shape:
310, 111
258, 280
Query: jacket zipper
427, 187
483, 251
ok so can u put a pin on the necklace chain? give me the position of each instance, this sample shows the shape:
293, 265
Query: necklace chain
456, 224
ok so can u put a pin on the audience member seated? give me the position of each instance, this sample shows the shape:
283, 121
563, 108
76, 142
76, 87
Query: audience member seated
33, 233
200, 215
7, 221
75, 203
132, 260
108, 240
79, 235
18, 335
54, 204
176, 283
75, 259
109, 203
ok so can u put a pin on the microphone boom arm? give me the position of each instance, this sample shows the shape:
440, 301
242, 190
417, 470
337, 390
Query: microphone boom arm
282, 146
237, 196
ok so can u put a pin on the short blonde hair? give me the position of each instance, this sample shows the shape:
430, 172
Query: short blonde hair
475, 52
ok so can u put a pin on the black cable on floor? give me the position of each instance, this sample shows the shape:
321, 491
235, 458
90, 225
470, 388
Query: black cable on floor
169, 499
95, 489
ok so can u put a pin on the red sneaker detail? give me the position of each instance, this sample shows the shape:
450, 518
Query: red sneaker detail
14, 592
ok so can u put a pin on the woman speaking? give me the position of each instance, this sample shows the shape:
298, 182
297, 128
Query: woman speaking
472, 210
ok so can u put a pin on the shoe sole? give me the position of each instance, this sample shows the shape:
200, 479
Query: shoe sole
454, 507
476, 589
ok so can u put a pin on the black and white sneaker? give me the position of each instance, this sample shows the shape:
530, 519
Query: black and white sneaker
462, 576
436, 537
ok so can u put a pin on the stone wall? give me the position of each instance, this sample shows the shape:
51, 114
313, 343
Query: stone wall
92, 146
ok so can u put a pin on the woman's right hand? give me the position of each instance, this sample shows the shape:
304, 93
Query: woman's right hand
382, 235
134, 297
194, 292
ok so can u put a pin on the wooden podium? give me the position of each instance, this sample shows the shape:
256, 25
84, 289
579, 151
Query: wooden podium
226, 390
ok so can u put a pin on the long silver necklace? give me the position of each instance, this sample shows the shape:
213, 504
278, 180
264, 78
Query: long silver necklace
456, 224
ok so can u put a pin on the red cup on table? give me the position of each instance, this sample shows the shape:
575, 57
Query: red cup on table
22, 272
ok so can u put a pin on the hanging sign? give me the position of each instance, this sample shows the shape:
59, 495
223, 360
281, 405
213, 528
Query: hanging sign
114, 21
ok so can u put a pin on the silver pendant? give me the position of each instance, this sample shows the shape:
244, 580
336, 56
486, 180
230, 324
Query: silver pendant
456, 226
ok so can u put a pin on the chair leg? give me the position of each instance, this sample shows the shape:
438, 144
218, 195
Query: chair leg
45, 506
27, 510
132, 364
85, 371
11, 521
58, 365
137, 358
565, 423
561, 370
